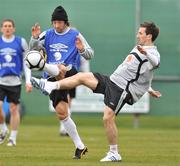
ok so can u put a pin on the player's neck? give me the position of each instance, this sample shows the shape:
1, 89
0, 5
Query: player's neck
62, 30
149, 43
65, 29
8, 36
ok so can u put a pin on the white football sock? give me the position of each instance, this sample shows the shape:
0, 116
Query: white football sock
3, 127
50, 86
62, 129
69, 111
51, 69
114, 148
70, 127
13, 135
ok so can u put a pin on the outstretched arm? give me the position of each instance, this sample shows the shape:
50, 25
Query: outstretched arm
153, 58
154, 93
37, 39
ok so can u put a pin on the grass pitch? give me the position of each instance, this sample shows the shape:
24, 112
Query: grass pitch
155, 143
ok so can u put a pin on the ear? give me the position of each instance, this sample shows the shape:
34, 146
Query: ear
14, 30
149, 36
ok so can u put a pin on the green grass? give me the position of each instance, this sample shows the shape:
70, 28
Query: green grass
155, 143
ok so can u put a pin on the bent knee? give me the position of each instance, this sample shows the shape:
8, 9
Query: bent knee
13, 107
62, 116
106, 119
62, 110
109, 115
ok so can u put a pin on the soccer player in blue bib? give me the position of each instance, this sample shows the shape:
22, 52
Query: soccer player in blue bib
12, 51
63, 45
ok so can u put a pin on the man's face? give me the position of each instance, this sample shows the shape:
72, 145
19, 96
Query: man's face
7, 29
59, 26
142, 37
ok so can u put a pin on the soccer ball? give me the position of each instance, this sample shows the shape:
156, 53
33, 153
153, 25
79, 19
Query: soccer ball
34, 60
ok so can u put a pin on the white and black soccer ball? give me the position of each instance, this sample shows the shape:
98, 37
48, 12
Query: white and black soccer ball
34, 60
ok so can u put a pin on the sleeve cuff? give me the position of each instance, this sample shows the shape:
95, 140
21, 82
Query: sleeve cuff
150, 89
82, 51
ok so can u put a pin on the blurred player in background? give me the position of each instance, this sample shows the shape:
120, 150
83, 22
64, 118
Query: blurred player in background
128, 83
64, 45
12, 51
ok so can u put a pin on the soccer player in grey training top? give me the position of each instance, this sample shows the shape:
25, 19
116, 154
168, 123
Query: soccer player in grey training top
128, 83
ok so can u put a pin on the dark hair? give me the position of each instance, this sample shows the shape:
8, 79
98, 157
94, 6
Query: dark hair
152, 29
8, 20
67, 23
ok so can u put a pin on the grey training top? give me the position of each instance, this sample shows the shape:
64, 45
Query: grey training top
128, 71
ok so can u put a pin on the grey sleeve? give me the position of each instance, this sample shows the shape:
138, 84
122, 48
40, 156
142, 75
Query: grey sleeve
154, 58
37, 43
88, 52
24, 46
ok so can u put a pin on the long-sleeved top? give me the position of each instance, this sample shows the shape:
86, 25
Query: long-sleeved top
61, 48
136, 72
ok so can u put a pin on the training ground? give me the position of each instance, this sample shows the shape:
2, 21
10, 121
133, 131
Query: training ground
155, 143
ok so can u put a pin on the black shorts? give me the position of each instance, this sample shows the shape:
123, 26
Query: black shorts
62, 95
114, 96
12, 93
71, 92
